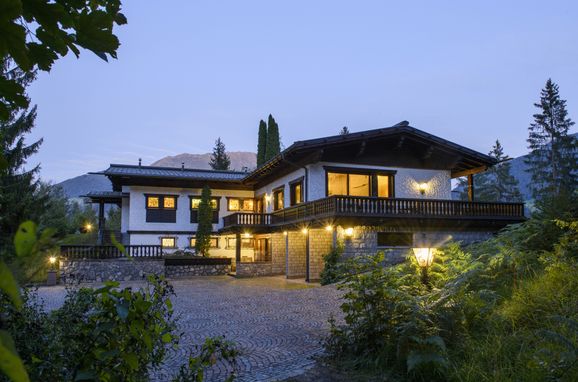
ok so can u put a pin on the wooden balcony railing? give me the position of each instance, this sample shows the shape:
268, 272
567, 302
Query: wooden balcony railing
109, 251
356, 206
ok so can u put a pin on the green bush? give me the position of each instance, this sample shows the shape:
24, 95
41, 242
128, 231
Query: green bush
498, 310
332, 269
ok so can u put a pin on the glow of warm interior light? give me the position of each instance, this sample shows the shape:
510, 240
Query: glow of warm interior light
349, 232
422, 188
304, 231
247, 235
329, 228
267, 198
52, 260
424, 256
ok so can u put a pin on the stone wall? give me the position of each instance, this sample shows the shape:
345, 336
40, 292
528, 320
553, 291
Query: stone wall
254, 269
177, 271
94, 270
278, 253
320, 243
297, 266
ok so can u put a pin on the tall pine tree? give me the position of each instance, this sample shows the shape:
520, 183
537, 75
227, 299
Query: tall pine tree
497, 184
552, 160
205, 225
262, 143
219, 159
273, 141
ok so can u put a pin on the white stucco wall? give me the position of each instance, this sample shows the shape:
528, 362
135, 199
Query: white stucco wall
283, 181
124, 215
137, 215
406, 181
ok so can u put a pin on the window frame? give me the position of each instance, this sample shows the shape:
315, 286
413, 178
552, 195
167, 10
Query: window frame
276, 192
174, 238
161, 214
216, 211
373, 173
194, 237
241, 200
292, 185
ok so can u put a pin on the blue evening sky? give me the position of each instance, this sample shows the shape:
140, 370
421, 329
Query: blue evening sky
191, 71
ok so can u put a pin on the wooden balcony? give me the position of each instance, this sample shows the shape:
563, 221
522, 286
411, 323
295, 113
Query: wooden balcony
72, 252
336, 207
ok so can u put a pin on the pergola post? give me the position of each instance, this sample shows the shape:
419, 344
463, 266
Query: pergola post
471, 193
100, 236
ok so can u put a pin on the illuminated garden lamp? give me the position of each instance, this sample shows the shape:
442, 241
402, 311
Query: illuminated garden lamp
51, 274
88, 227
424, 257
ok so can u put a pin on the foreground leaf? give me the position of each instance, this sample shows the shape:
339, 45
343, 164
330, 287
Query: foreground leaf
10, 363
9, 286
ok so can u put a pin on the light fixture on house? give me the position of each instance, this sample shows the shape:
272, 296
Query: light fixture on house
422, 188
424, 257
52, 260
348, 232
304, 231
247, 235
329, 228
268, 198
285, 233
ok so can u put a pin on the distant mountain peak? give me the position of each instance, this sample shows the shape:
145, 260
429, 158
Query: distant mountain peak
239, 160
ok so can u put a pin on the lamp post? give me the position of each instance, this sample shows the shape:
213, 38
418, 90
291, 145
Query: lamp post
51, 277
424, 257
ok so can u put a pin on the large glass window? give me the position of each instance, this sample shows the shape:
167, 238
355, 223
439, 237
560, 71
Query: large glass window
238, 204
168, 242
296, 193
278, 200
161, 208
359, 185
196, 201
336, 184
214, 242
383, 186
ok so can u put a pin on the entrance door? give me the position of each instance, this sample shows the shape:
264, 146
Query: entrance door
262, 250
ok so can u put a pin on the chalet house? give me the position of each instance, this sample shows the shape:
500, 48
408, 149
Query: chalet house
373, 190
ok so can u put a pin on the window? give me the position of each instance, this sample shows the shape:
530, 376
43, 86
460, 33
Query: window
359, 182
278, 199
238, 204
296, 192
214, 242
394, 239
161, 208
245, 243
196, 201
168, 242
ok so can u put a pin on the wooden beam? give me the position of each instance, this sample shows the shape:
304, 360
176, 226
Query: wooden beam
237, 248
400, 143
476, 170
361, 149
428, 153
471, 194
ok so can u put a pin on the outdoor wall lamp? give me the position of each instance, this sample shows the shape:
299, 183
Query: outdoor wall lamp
52, 260
329, 228
422, 188
348, 232
424, 257
247, 235
304, 231
285, 233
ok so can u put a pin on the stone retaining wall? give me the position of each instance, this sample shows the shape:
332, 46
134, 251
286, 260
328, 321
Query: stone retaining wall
177, 271
254, 269
94, 270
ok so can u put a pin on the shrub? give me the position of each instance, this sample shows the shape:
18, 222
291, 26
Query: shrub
332, 269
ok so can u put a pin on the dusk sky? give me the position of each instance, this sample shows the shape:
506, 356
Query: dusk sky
190, 71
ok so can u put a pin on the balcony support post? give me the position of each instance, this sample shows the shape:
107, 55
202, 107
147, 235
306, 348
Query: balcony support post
238, 247
307, 257
471, 190
287, 255
100, 235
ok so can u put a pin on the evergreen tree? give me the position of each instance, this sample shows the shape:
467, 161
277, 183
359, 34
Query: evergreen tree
552, 160
344, 130
273, 142
262, 143
205, 225
497, 184
219, 159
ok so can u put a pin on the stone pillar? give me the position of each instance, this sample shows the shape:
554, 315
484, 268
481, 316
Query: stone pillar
237, 248
296, 258
278, 253
320, 243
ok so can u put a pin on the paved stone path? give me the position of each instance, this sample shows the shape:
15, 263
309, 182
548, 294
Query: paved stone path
277, 324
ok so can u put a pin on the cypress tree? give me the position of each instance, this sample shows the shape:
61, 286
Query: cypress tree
552, 160
273, 141
262, 143
205, 225
219, 159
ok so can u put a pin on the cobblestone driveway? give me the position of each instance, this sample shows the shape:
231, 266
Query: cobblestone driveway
277, 324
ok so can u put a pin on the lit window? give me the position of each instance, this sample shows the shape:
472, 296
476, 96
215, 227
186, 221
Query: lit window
168, 202
214, 242
383, 186
296, 193
152, 202
336, 184
234, 204
168, 242
195, 202
278, 202
358, 185
248, 205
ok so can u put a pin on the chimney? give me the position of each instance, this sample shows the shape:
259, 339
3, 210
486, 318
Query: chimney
182, 165
139, 161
